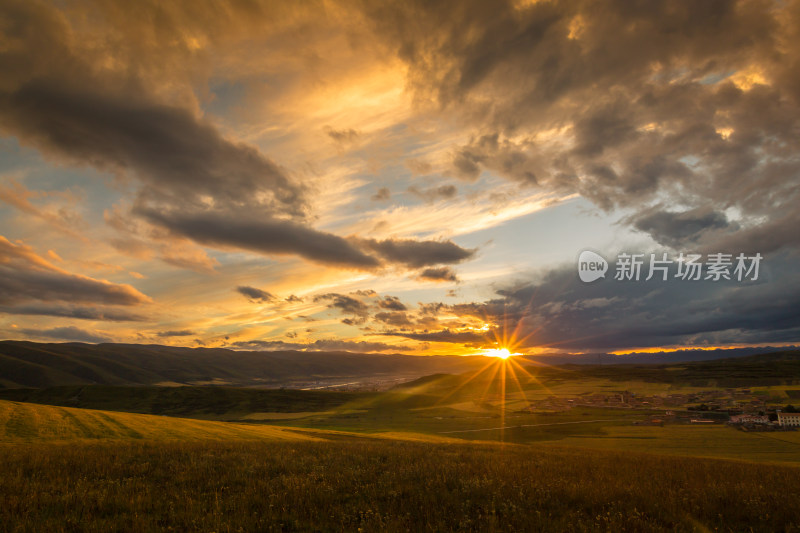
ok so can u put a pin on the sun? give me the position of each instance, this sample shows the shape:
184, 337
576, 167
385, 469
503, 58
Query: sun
502, 353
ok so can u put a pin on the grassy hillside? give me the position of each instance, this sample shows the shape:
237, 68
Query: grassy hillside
193, 402
384, 486
779, 368
30, 364
68, 469
23, 422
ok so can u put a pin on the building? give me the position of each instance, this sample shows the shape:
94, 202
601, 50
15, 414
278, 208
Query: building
788, 419
749, 419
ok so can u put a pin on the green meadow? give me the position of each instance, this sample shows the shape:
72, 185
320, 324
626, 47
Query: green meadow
443, 453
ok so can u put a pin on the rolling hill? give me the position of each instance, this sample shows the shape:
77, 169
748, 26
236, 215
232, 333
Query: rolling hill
31, 364
776, 368
24, 422
193, 402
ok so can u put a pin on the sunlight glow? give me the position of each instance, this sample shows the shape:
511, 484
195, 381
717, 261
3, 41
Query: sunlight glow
502, 353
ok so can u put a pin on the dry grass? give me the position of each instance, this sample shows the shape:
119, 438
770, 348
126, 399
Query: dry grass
383, 485
26, 422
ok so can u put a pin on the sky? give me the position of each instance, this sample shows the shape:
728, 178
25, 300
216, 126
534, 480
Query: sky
400, 176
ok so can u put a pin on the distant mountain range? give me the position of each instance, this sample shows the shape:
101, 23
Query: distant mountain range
639, 358
31, 364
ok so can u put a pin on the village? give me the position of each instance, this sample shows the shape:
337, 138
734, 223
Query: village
742, 408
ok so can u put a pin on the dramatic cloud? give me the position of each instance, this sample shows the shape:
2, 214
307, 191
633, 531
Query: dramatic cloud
27, 276
255, 295
676, 229
561, 312
416, 254
696, 104
225, 138
179, 158
195, 182
263, 235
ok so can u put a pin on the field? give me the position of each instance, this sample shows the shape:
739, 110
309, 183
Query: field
28, 424
194, 402
383, 485
443, 453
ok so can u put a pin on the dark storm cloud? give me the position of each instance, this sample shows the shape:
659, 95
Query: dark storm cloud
438, 274
178, 157
322, 345
561, 312
632, 105
68, 333
255, 295
194, 182
261, 234
417, 254
780, 232
678, 228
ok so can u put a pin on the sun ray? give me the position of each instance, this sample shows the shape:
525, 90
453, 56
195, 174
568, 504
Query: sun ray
464, 384
485, 392
510, 367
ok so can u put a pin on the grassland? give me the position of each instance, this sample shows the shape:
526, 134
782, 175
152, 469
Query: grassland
71, 469
445, 453
428, 408
224, 403
383, 485
771, 369
24, 423
696, 441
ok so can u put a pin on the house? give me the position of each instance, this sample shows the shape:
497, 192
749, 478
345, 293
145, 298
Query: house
749, 419
788, 419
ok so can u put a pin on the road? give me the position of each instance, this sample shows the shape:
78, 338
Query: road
534, 425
